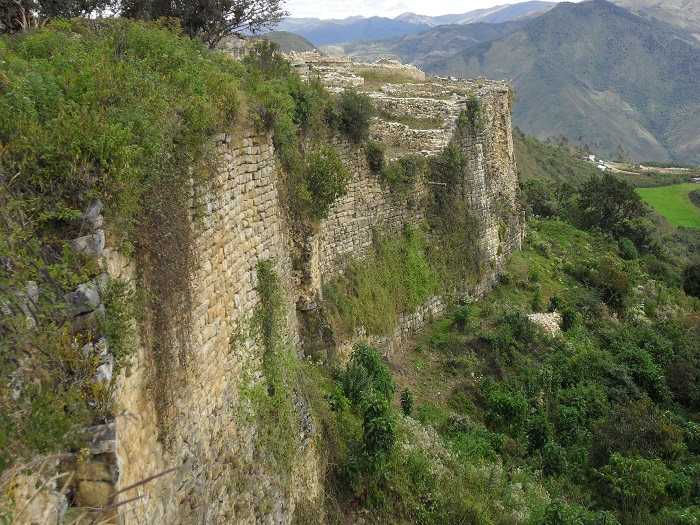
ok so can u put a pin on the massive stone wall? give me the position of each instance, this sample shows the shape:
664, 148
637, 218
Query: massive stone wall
208, 448
219, 474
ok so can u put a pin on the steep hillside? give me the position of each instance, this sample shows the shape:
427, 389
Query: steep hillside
289, 42
597, 74
680, 13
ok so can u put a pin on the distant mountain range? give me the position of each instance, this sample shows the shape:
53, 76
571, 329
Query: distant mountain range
355, 28
599, 75
421, 49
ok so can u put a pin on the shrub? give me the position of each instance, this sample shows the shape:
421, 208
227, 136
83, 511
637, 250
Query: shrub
325, 179
471, 118
375, 156
505, 411
407, 402
569, 317
356, 112
613, 284
636, 428
691, 279
369, 358
638, 484
368, 384
401, 174
627, 249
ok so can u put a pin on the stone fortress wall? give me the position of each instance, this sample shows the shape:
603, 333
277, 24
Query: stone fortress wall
219, 476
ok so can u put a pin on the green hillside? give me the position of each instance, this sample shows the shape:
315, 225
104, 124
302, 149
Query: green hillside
290, 42
599, 75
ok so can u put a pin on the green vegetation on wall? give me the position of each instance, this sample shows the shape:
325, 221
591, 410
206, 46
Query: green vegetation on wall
395, 277
124, 112
272, 408
111, 111
404, 270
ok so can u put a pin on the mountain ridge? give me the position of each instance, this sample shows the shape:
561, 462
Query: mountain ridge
617, 80
358, 28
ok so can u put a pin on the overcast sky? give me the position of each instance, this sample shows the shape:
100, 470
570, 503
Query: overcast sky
388, 8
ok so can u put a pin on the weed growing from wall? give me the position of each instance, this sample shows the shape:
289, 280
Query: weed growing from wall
375, 156
471, 118
119, 322
402, 174
395, 277
46, 379
457, 254
272, 401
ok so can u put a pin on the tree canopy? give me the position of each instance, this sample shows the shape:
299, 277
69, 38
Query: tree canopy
210, 20
606, 201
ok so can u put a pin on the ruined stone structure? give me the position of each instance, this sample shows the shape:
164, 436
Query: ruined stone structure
214, 472
219, 473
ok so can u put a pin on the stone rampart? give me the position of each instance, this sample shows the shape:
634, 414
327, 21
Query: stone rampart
219, 475
202, 465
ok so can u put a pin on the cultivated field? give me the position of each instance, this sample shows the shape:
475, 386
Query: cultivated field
673, 203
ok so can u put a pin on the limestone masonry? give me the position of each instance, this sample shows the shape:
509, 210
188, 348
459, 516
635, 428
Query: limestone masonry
218, 474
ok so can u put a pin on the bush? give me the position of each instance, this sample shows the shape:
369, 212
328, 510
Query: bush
325, 179
407, 402
636, 428
471, 118
401, 175
368, 384
691, 279
375, 156
356, 112
613, 284
627, 249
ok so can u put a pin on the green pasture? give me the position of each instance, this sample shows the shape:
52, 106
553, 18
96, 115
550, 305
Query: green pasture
673, 203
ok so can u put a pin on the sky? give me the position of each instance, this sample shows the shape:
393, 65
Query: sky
389, 8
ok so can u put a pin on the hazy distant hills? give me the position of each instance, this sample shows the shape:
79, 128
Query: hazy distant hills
352, 29
328, 31
428, 46
598, 74
491, 15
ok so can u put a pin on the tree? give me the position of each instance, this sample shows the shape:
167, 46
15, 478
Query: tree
16, 15
691, 279
356, 112
210, 20
606, 201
